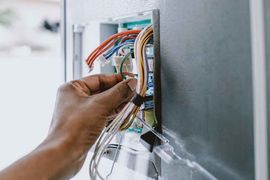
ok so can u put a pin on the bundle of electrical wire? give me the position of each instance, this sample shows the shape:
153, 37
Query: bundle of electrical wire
112, 45
127, 115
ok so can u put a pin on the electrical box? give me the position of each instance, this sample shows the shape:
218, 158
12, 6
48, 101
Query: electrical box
141, 150
86, 37
208, 104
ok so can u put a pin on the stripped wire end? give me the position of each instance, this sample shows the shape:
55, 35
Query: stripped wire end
112, 45
91, 69
103, 61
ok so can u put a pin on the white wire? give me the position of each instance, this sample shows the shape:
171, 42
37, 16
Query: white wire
104, 141
109, 132
125, 46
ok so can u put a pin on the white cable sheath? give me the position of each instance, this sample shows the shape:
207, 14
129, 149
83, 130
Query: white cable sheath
111, 130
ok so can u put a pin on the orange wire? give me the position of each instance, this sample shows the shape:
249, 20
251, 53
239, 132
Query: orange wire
127, 38
100, 48
91, 58
107, 47
102, 51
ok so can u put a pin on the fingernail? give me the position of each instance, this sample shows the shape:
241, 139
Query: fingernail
132, 84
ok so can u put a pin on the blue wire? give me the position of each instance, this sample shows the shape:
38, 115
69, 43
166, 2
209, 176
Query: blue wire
116, 48
129, 40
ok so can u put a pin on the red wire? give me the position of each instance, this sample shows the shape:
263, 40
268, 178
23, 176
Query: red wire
104, 46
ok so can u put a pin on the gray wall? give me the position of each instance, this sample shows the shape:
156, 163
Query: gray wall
267, 30
206, 83
206, 78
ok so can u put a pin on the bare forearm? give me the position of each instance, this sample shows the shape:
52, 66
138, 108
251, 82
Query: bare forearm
82, 110
48, 161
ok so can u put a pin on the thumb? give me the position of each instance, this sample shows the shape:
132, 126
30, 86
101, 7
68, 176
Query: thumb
118, 94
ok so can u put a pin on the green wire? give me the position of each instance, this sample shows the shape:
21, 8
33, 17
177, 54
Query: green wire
117, 42
122, 63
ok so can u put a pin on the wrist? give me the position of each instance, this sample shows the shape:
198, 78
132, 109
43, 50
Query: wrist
58, 156
52, 159
64, 145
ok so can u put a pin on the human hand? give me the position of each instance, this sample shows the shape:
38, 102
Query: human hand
83, 108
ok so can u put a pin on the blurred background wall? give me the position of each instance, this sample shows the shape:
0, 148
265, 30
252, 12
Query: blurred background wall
30, 72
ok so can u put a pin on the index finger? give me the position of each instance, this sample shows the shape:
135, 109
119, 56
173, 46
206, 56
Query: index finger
101, 82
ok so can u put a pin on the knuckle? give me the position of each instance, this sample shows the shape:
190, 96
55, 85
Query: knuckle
122, 91
64, 87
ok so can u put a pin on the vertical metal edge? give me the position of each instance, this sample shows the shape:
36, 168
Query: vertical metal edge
64, 38
157, 81
259, 89
77, 30
157, 78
